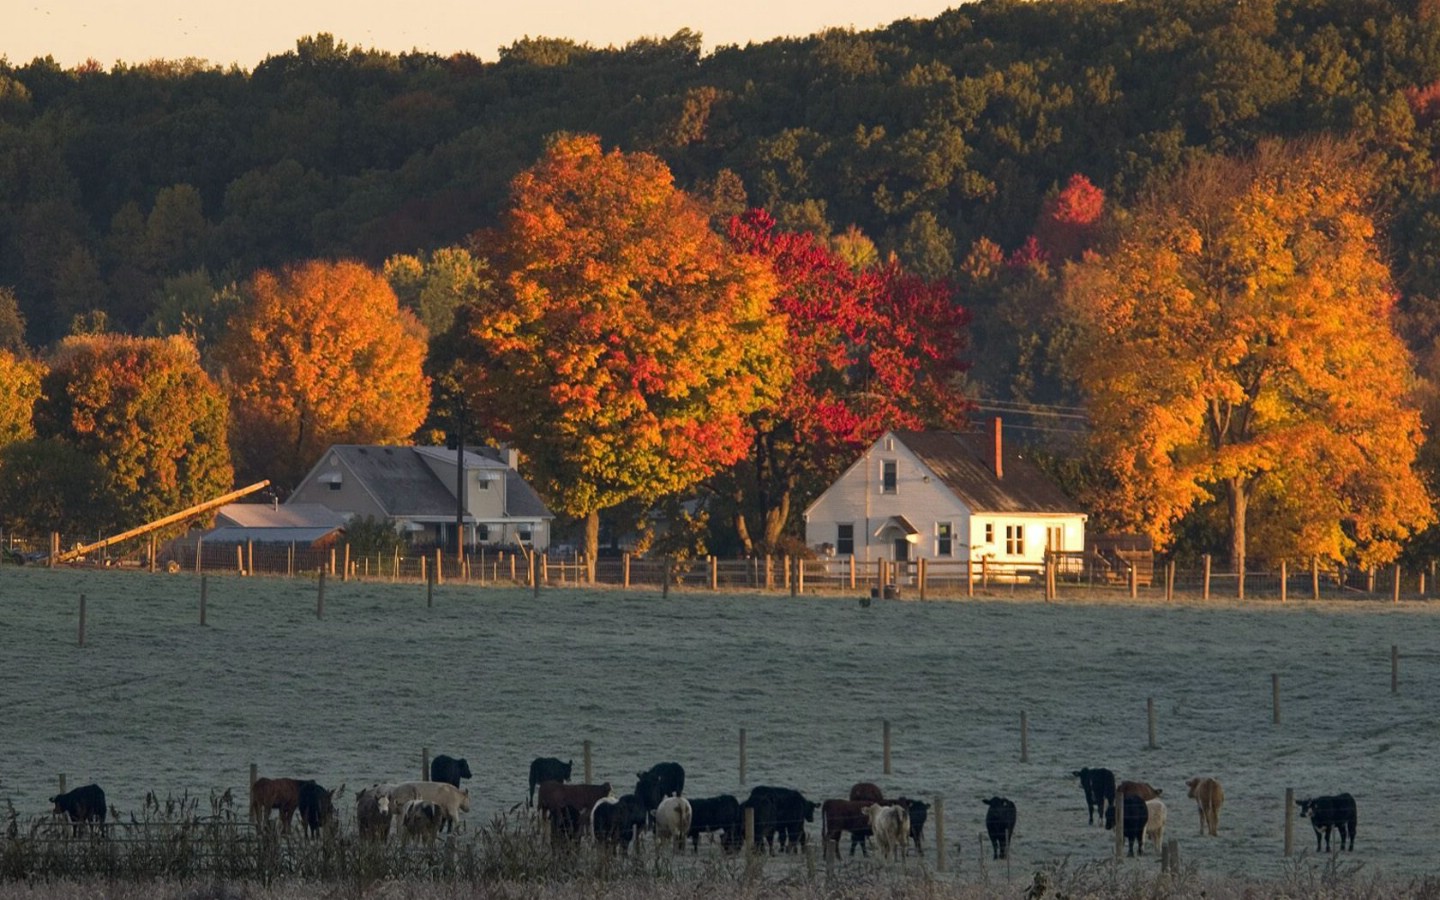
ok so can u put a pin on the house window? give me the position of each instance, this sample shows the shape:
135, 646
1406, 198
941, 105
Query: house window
1015, 540
990, 532
944, 539
845, 539
523, 535
889, 476
335, 485
482, 532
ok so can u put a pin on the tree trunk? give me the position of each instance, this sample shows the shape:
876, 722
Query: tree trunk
1237, 500
775, 518
592, 534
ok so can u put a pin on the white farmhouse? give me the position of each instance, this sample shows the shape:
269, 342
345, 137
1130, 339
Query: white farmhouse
945, 496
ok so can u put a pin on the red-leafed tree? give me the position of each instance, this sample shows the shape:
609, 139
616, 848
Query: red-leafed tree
872, 350
1070, 219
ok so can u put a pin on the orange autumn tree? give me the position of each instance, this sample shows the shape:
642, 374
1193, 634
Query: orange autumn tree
146, 413
1237, 345
318, 354
625, 343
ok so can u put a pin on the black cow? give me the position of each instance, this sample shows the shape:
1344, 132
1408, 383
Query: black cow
317, 806
720, 814
660, 782
1000, 825
919, 815
783, 811
83, 804
547, 768
1099, 785
615, 823
1325, 813
449, 769
1136, 815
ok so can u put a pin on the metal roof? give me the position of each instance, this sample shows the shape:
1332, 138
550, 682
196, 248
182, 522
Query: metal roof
964, 463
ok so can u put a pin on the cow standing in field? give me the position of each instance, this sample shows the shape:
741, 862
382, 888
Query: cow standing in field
1099, 785
1208, 796
663, 780
1140, 789
547, 768
616, 821
1155, 816
281, 794
1000, 825
837, 816
780, 811
1325, 813
1136, 815
317, 806
82, 805
672, 821
891, 827
372, 813
451, 800
449, 769
722, 814
864, 791
421, 819
568, 806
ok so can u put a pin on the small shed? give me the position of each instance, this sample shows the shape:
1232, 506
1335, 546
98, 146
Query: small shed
1110, 557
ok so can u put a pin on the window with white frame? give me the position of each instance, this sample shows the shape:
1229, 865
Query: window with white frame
945, 539
845, 539
990, 533
889, 476
1015, 540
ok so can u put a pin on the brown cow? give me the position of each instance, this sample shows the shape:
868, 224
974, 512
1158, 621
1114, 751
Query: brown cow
274, 793
1137, 789
1208, 795
845, 815
568, 806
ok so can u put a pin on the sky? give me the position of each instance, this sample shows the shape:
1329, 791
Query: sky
244, 33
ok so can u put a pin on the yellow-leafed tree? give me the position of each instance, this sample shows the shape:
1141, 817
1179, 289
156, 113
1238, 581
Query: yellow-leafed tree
320, 353
1238, 345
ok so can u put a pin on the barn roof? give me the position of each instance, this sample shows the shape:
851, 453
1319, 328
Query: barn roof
406, 487
964, 462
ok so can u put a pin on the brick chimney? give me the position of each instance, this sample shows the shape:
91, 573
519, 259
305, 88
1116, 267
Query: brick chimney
999, 450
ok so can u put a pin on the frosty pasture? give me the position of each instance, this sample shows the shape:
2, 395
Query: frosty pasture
155, 702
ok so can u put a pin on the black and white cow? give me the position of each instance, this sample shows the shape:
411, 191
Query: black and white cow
1325, 813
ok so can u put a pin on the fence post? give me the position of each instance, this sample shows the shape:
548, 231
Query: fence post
439, 566
345, 573
290, 561
249, 557
199, 555
82, 621
239, 560
742, 757
939, 833
1150, 719
332, 560
1283, 576
1170, 580
714, 573
887, 746
1315, 577
55, 548
852, 571
1289, 821
969, 577
1240, 583
430, 592
1024, 737
152, 554
920, 576
1134, 581
1395, 598
1275, 697
749, 829
1205, 591
204, 594
625, 570
320, 596
537, 564
798, 565
589, 771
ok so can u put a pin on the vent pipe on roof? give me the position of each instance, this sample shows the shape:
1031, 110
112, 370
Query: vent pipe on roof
999, 451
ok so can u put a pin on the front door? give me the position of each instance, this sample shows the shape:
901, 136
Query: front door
902, 550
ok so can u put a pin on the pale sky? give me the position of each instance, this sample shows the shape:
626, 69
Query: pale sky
246, 32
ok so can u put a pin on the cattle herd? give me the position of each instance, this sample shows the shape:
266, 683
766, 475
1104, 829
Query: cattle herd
777, 816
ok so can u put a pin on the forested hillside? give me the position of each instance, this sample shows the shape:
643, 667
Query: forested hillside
139, 198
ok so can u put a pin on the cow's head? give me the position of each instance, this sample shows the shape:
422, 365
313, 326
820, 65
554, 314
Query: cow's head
810, 806
465, 800
1307, 806
463, 768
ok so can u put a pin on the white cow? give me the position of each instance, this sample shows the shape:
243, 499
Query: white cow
891, 827
451, 800
1155, 824
672, 820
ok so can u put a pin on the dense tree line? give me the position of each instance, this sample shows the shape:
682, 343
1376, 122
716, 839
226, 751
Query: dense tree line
977, 149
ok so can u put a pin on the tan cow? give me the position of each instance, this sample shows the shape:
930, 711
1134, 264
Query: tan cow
1209, 796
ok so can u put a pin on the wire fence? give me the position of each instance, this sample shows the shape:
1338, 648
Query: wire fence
1057, 576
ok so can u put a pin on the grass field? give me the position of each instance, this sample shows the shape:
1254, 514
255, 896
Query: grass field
156, 703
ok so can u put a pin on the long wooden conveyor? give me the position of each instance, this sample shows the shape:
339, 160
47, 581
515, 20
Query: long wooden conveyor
171, 519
